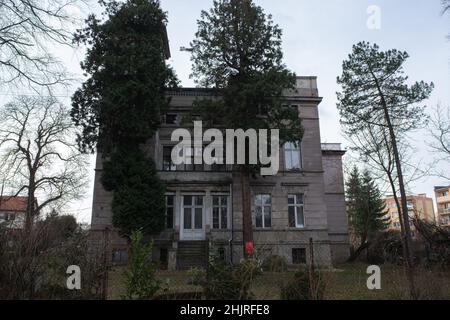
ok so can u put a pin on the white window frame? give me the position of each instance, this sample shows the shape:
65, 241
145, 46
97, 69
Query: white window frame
289, 150
263, 211
193, 206
296, 205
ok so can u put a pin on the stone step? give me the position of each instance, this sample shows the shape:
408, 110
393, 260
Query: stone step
192, 254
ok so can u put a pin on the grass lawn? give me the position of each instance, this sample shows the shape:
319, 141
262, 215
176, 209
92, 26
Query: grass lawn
346, 281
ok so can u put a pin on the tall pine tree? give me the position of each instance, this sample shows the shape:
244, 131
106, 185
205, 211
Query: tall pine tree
377, 100
237, 52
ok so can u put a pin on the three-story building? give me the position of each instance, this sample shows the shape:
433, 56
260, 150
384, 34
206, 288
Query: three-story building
304, 201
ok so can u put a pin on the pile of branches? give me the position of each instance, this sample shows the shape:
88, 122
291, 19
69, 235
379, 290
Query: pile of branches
385, 247
437, 242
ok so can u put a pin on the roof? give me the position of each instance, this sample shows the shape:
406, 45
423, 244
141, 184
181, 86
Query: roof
410, 197
11, 203
332, 148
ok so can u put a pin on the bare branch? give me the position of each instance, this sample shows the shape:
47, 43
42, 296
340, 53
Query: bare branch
27, 28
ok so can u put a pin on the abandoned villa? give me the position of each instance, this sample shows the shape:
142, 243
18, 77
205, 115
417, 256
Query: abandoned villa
304, 200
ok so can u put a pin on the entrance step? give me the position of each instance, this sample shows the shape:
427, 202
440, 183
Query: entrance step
192, 254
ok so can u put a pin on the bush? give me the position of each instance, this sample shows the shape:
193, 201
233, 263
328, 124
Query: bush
34, 265
304, 288
274, 264
140, 280
226, 282
244, 273
196, 276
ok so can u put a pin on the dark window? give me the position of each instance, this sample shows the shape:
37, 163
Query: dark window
167, 160
119, 256
298, 255
221, 254
169, 211
188, 157
163, 258
171, 119
187, 218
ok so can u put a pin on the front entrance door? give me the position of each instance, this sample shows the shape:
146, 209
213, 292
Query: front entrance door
192, 218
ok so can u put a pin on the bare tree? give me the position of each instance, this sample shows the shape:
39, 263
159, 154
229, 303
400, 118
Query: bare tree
440, 133
39, 155
445, 6
27, 28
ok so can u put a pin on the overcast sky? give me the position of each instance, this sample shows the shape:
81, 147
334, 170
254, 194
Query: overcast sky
317, 37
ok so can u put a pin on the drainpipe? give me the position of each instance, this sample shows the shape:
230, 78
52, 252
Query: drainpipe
230, 242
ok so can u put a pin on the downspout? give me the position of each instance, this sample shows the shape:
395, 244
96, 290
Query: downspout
230, 241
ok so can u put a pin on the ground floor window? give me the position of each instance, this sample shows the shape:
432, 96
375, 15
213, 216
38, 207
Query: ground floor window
263, 211
295, 211
170, 206
220, 212
119, 256
298, 255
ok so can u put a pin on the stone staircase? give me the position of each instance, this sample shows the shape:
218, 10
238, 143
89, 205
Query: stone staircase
192, 254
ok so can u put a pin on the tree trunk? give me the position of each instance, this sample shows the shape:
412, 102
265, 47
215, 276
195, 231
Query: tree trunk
403, 214
364, 244
29, 217
247, 227
409, 268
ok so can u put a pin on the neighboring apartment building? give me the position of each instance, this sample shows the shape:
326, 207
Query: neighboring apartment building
442, 195
13, 211
204, 210
419, 205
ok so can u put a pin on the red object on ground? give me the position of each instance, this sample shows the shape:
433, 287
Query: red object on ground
249, 247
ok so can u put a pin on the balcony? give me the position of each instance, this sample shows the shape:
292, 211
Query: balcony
443, 199
306, 87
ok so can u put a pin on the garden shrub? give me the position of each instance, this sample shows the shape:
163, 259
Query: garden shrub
224, 281
274, 264
140, 279
300, 287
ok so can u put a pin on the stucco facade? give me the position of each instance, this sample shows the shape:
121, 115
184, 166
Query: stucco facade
418, 205
288, 209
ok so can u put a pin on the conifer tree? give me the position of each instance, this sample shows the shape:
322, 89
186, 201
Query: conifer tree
366, 208
119, 106
237, 52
